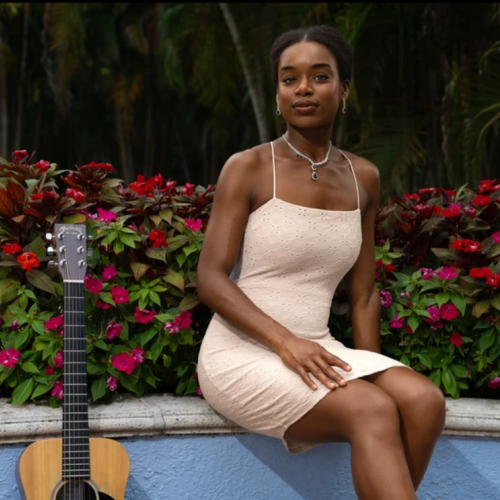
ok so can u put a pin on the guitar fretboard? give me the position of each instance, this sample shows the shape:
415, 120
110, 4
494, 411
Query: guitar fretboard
76, 460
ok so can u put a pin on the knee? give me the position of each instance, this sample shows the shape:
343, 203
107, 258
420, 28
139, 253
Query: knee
426, 399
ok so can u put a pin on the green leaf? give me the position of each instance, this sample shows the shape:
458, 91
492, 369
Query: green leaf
139, 269
147, 336
449, 381
459, 302
157, 254
480, 308
495, 349
99, 388
486, 340
29, 367
101, 344
174, 278
425, 361
129, 239
403, 279
41, 389
495, 301
413, 322
21, 338
166, 215
435, 376
156, 349
8, 291
18, 312
459, 371
41, 280
22, 392
447, 255
189, 302
442, 298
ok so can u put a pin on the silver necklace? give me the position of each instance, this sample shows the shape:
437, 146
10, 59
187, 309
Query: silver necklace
314, 166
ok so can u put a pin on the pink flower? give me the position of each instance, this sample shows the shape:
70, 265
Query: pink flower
113, 330
181, 322
103, 305
119, 294
448, 311
448, 273
15, 325
138, 355
396, 322
57, 391
112, 383
109, 272
49, 370
123, 362
456, 339
470, 211
426, 273
10, 357
434, 312
494, 383
105, 215
59, 359
188, 189
496, 236
54, 323
193, 225
93, 285
143, 316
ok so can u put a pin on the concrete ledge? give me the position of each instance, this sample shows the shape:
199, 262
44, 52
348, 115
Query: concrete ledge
168, 414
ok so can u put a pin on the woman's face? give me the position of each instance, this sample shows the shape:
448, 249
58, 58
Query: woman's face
309, 88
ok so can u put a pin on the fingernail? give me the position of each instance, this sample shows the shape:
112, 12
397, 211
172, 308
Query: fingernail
315, 386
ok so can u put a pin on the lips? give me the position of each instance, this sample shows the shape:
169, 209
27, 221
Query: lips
305, 104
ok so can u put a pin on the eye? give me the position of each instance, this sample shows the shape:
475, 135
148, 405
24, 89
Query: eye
289, 79
322, 77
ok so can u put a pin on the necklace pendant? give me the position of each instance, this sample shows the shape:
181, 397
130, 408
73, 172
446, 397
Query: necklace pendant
314, 166
315, 176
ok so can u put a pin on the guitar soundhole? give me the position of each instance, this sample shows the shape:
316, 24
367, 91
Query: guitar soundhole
79, 490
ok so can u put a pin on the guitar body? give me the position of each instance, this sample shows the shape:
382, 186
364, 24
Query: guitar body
39, 472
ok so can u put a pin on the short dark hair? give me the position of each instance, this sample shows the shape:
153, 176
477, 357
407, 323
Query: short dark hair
328, 36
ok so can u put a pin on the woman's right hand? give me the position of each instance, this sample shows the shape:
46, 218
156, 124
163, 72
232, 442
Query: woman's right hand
303, 356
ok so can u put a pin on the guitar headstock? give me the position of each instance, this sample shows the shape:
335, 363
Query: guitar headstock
70, 242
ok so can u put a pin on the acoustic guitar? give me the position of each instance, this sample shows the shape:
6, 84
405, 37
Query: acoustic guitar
74, 467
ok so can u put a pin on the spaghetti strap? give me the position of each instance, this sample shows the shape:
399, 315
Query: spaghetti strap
354, 175
274, 171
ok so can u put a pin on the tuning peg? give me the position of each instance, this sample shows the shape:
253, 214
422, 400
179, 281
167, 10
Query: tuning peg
49, 236
52, 264
50, 250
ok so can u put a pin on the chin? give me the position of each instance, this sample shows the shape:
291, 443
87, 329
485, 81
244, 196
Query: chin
309, 122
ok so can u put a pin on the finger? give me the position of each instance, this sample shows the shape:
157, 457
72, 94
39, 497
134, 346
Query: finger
305, 377
330, 372
319, 373
331, 359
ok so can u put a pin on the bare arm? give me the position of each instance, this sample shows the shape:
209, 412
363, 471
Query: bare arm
363, 294
230, 212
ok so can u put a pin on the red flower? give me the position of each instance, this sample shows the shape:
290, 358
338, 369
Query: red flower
112, 383
408, 329
448, 311
389, 268
466, 245
158, 238
138, 355
456, 339
144, 316
93, 285
486, 185
11, 248
49, 370
119, 294
193, 225
448, 192
436, 210
98, 166
59, 359
103, 305
78, 196
452, 210
42, 165
57, 391
109, 272
480, 272
123, 362
10, 357
113, 330
188, 189
19, 155
493, 280
427, 190
495, 236
412, 197
470, 212
55, 322
424, 209
28, 261
481, 200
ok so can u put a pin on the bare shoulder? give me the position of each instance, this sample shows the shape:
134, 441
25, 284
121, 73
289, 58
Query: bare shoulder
367, 174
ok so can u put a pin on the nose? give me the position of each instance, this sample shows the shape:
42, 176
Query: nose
303, 88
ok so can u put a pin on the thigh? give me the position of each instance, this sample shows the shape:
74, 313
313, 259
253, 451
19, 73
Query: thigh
407, 388
343, 412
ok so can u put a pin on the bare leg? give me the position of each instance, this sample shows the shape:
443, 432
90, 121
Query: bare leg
365, 416
421, 406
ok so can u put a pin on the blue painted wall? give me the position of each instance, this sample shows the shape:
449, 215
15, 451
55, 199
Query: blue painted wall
254, 467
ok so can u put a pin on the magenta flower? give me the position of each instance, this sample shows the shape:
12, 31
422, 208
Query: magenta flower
448, 311
119, 294
113, 330
181, 322
456, 339
138, 355
112, 383
57, 391
103, 305
172, 327
105, 215
396, 322
123, 362
55, 322
198, 391
193, 225
144, 316
494, 383
59, 359
434, 312
49, 370
385, 298
496, 236
448, 273
15, 325
109, 272
426, 273
10, 357
93, 285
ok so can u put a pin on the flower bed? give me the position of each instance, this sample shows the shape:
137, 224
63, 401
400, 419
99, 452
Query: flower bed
438, 272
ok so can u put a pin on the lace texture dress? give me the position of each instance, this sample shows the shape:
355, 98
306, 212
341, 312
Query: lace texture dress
291, 261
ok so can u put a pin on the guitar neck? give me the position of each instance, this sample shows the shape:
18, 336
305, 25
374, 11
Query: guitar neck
76, 460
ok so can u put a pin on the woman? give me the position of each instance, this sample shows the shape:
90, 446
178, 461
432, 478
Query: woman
289, 220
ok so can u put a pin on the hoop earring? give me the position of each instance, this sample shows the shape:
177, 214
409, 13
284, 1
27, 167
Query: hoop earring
278, 111
344, 110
